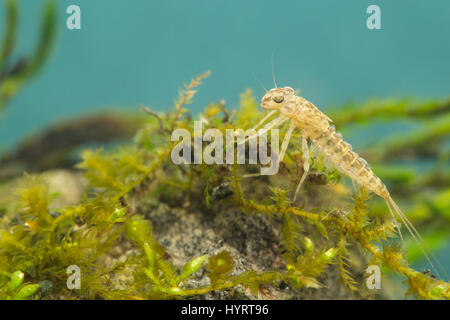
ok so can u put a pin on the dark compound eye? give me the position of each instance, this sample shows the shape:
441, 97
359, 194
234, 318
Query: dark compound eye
278, 99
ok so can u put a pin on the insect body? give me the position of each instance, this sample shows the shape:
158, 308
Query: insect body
316, 126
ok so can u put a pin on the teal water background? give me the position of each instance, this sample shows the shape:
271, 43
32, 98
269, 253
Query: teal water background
141, 51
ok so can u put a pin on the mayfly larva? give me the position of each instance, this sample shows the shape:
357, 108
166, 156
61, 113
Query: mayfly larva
316, 127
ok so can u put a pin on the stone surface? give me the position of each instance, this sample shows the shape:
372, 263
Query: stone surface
253, 241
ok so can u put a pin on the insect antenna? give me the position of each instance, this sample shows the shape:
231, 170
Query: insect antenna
273, 73
259, 82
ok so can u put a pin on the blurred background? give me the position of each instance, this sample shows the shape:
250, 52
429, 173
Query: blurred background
136, 52
128, 53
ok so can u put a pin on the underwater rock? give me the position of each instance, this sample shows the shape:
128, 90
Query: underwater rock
252, 240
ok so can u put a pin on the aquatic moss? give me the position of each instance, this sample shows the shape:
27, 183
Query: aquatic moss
38, 241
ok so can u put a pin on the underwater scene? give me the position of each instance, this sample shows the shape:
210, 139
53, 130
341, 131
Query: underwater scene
224, 150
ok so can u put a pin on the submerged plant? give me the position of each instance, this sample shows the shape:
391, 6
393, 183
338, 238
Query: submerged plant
13, 75
125, 185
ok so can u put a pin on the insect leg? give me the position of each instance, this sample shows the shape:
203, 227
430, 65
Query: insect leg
398, 227
285, 143
356, 186
271, 113
305, 151
272, 124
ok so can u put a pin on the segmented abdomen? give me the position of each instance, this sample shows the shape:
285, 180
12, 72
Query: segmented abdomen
347, 161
